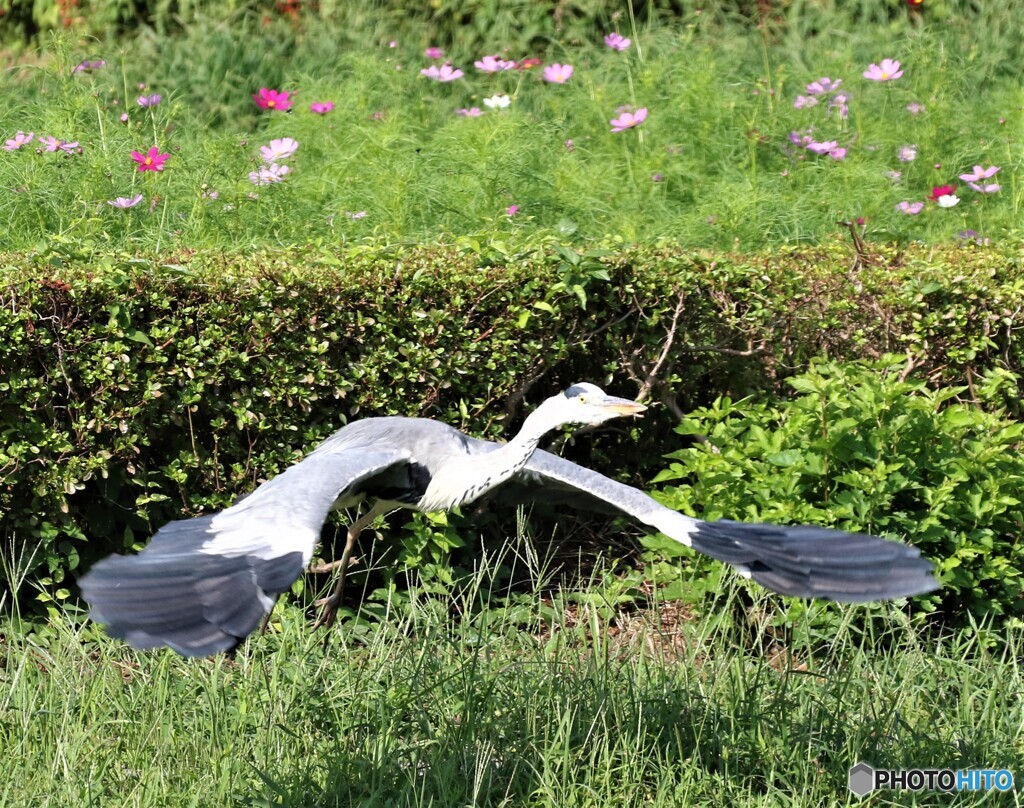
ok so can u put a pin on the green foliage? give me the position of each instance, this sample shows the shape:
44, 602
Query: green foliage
139, 389
863, 450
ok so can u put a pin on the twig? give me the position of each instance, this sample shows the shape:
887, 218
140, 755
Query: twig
652, 376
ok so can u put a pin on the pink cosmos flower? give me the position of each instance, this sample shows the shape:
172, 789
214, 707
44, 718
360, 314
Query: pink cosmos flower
88, 66
443, 73
627, 120
805, 101
472, 112
434, 52
494, 64
125, 201
512, 210
910, 208
356, 215
823, 85
124, 117
822, 147
152, 160
321, 107
268, 175
838, 102
979, 173
19, 140
838, 153
907, 154
888, 70
557, 74
273, 99
279, 149
915, 108
569, 145
149, 100
617, 42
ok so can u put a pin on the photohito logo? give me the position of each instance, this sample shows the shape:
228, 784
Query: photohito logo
864, 779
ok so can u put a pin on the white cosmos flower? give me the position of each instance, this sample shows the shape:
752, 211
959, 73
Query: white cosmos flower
497, 101
948, 201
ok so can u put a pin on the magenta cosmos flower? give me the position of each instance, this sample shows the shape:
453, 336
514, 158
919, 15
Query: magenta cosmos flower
974, 179
557, 74
888, 70
443, 73
149, 100
19, 140
88, 66
125, 201
627, 120
273, 99
434, 52
152, 160
321, 107
617, 42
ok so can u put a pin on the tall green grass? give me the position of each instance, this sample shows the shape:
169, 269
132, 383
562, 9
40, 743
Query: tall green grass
711, 166
440, 703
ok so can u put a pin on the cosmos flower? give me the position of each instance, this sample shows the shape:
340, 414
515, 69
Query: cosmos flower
821, 147
493, 64
823, 85
940, 191
279, 149
125, 201
356, 215
512, 210
974, 178
887, 70
617, 42
472, 112
910, 208
915, 108
268, 175
805, 101
149, 100
497, 102
273, 99
907, 154
19, 140
152, 160
839, 102
558, 74
321, 107
434, 52
443, 73
529, 63
88, 66
627, 120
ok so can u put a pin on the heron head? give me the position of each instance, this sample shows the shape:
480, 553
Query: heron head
585, 403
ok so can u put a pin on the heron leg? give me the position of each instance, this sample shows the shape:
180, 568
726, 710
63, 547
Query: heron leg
330, 604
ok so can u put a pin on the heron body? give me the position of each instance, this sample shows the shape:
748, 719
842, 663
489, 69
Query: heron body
202, 585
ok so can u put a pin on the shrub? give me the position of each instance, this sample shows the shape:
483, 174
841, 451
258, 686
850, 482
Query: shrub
862, 449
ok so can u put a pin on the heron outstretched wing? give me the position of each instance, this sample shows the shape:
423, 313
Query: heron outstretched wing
801, 561
203, 584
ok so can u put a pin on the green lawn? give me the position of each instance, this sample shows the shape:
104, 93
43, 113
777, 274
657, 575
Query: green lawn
579, 705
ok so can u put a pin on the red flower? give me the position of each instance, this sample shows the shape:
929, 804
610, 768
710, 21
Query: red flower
526, 64
941, 190
915, 3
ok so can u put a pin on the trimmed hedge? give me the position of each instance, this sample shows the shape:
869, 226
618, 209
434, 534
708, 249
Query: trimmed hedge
136, 389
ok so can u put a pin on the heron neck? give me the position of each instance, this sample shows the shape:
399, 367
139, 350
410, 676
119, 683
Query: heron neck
515, 454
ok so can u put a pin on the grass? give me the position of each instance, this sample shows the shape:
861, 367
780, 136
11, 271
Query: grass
585, 707
711, 166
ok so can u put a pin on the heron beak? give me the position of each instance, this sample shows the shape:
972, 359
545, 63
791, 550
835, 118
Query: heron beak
621, 406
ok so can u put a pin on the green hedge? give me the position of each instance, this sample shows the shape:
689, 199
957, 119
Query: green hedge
136, 389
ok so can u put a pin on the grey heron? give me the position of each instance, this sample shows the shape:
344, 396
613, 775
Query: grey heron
203, 584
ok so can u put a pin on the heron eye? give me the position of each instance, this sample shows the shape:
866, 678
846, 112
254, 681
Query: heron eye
582, 398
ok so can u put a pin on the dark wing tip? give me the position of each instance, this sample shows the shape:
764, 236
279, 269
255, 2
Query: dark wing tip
814, 562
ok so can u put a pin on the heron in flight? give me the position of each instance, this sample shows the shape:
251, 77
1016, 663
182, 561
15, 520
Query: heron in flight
203, 584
